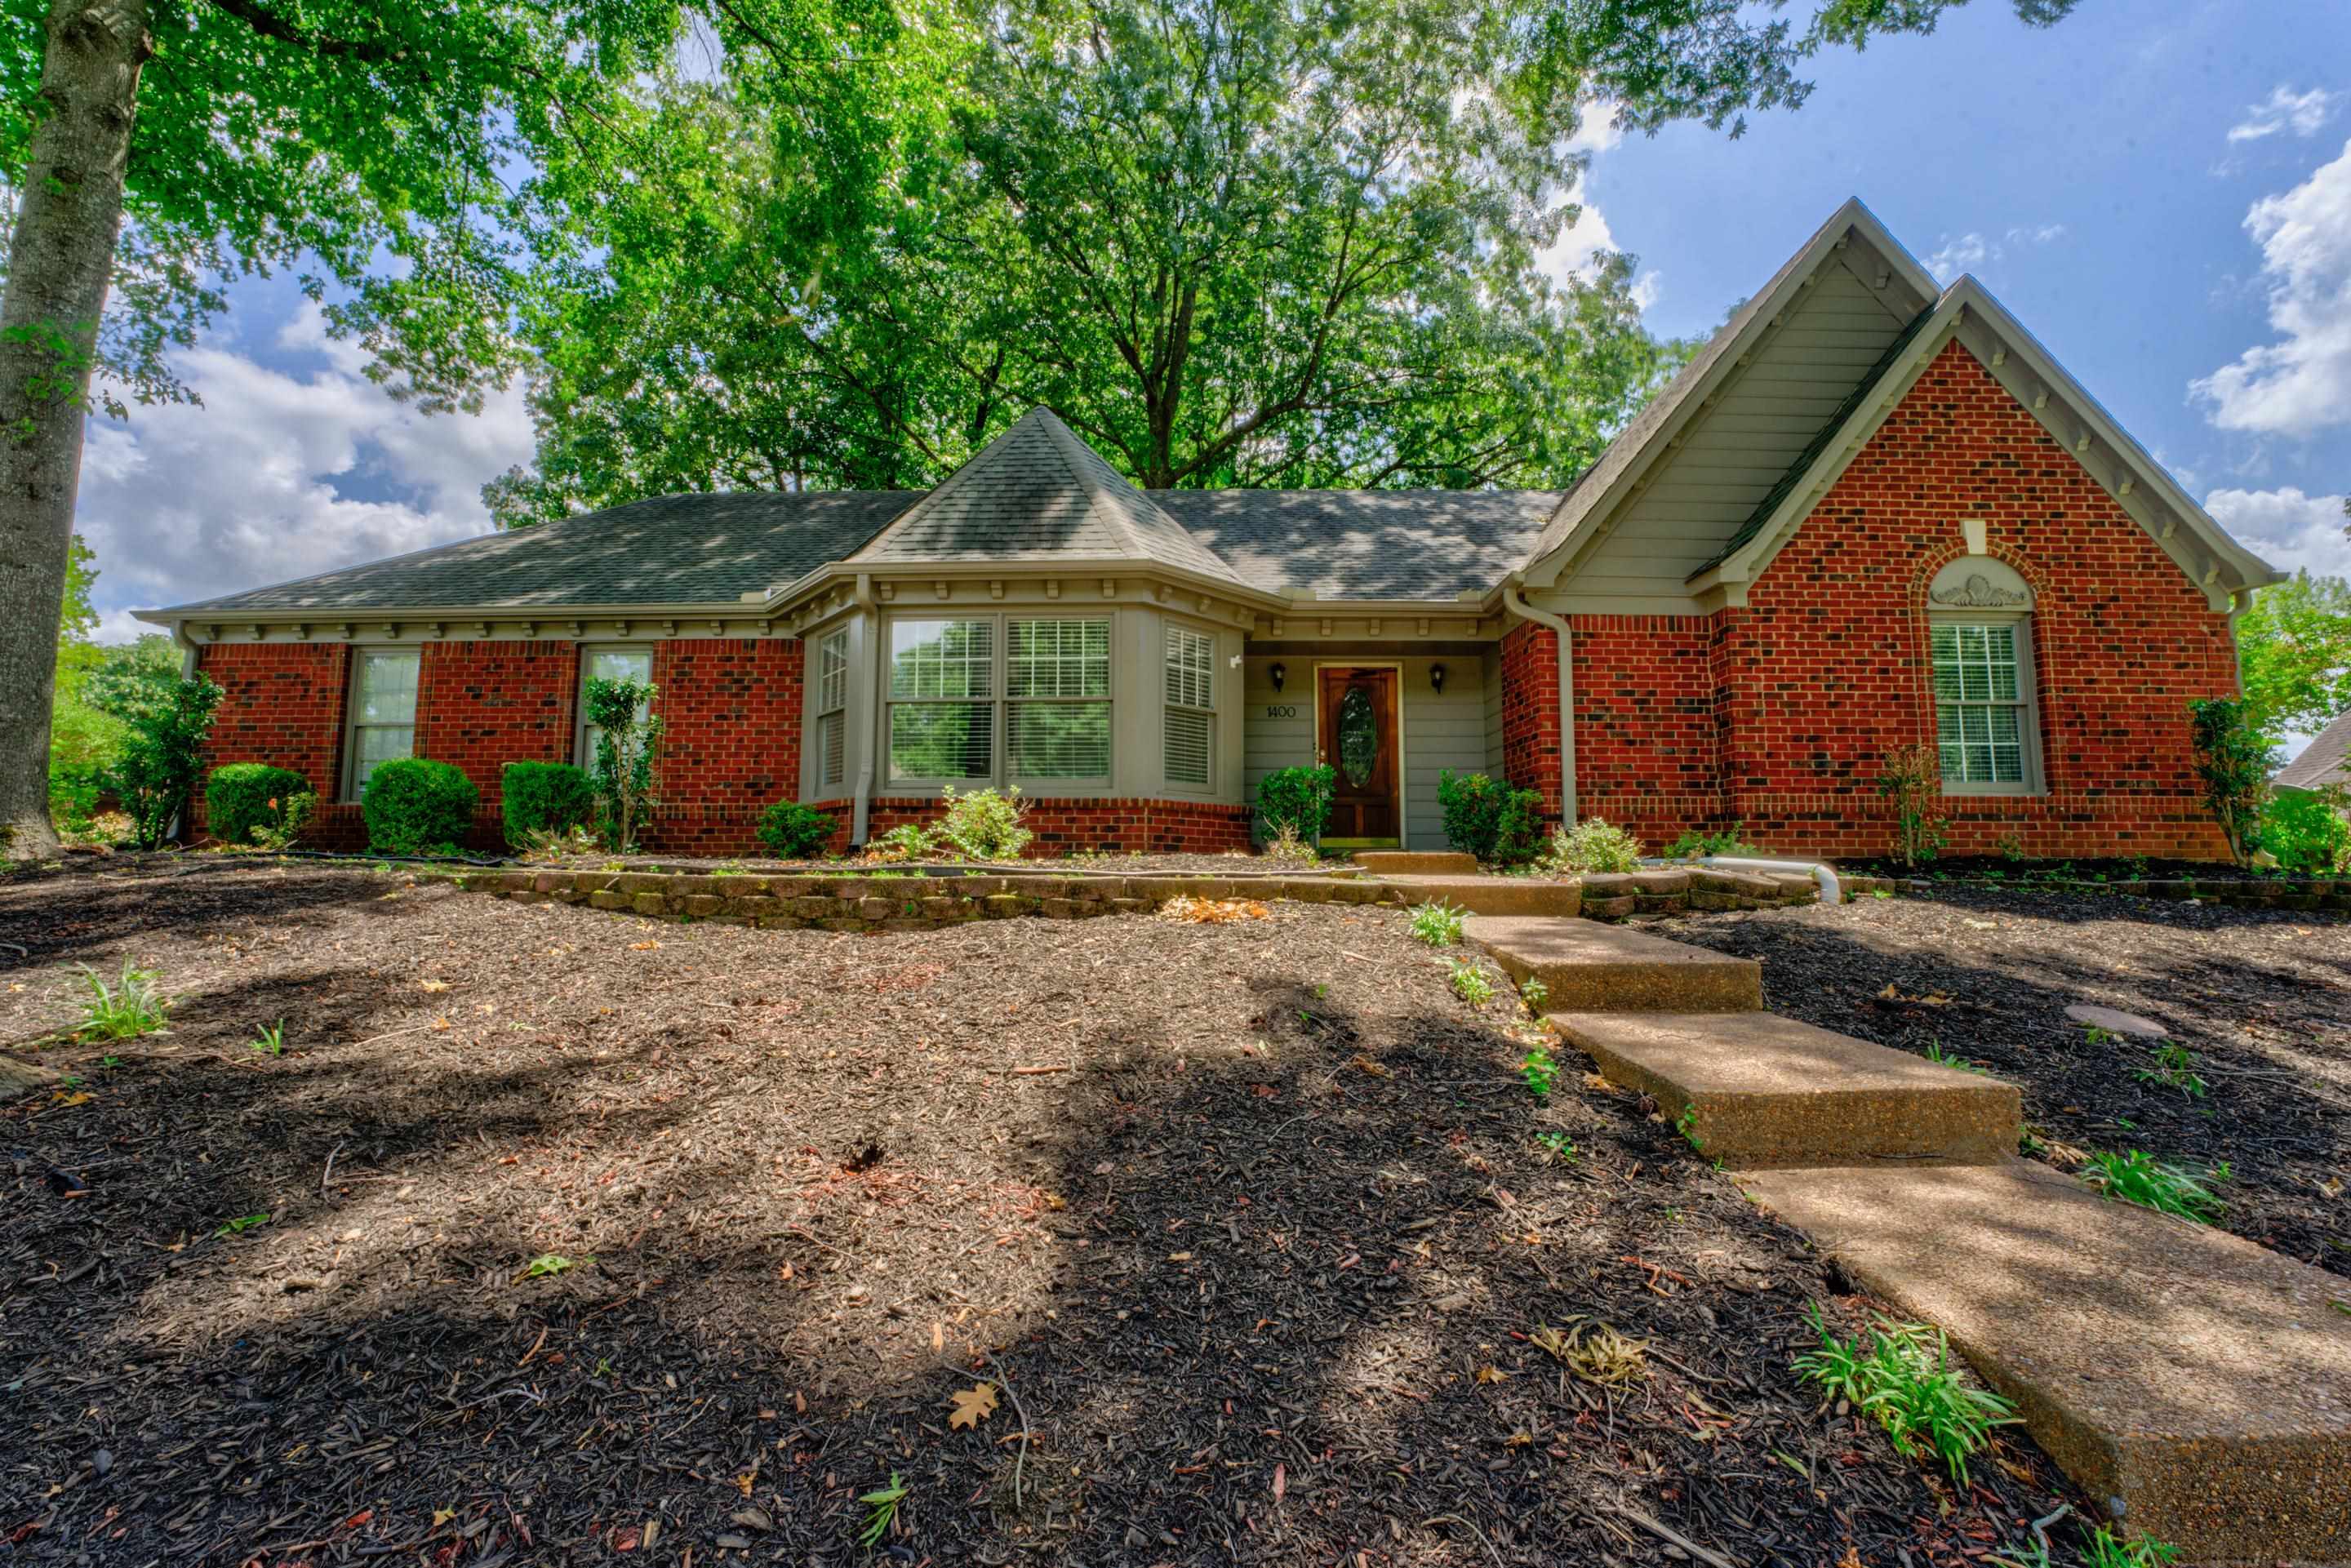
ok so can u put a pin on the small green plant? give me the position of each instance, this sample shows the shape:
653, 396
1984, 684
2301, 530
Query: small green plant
1499, 824
1902, 1375
1538, 1071
1913, 780
2232, 763
1438, 924
2139, 1178
2175, 1068
793, 832
1592, 846
277, 836
626, 770
1558, 1145
906, 842
2010, 845
1285, 848
1687, 1126
2095, 1034
984, 824
549, 798
1471, 982
1298, 798
882, 1506
271, 1040
1881, 892
548, 1265
1696, 844
240, 1225
1942, 1058
559, 844
134, 1005
1534, 993
2106, 1550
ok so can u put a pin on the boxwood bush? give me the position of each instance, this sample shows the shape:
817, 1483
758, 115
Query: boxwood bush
242, 796
414, 807
544, 797
793, 832
1499, 825
1298, 799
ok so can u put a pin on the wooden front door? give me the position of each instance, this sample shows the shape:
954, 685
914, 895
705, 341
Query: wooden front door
1357, 725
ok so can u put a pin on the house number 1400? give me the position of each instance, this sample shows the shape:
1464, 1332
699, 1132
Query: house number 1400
1281, 710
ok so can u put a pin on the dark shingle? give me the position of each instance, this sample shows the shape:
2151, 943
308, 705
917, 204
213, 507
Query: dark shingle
1366, 544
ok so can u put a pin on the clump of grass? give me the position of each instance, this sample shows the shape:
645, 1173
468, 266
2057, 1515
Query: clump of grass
1539, 1069
2175, 1068
1438, 924
1942, 1058
1471, 982
1903, 1376
1594, 1351
2139, 1178
1285, 848
2106, 1550
882, 1506
134, 1005
271, 1040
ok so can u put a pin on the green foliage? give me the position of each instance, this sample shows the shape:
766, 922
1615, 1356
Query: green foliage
1902, 1375
2307, 829
134, 1005
1438, 924
544, 798
1285, 848
271, 1040
628, 746
1499, 825
2105, 1549
1696, 844
906, 842
793, 832
1534, 993
548, 1265
242, 800
2233, 760
294, 813
1555, 1144
1539, 1069
1942, 1058
1913, 780
984, 824
2293, 652
417, 806
882, 1506
1471, 983
2139, 1178
1298, 798
240, 1225
161, 748
1592, 847
2175, 1068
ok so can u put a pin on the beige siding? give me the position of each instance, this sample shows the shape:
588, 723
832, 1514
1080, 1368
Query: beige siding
1735, 452
1461, 730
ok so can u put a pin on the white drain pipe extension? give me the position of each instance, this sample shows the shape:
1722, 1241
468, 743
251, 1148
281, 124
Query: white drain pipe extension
1830, 891
1519, 606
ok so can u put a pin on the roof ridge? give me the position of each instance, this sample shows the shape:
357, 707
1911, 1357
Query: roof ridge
1097, 494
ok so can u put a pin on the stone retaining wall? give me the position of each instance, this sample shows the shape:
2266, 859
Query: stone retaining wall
870, 902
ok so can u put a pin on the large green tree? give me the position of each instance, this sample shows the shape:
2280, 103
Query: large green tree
2294, 650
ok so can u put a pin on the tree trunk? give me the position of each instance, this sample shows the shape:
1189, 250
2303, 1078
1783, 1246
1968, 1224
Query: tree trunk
59, 264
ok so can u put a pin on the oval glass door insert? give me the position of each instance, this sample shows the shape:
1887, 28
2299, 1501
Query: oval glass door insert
1359, 737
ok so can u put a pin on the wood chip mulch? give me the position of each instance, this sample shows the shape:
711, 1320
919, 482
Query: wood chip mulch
2262, 997
1247, 1223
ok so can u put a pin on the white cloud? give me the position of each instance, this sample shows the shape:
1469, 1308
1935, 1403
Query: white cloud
1972, 251
1581, 246
2291, 531
2285, 111
2302, 383
186, 502
1598, 129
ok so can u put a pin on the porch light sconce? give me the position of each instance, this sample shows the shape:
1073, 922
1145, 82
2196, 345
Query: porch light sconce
1280, 673
1436, 679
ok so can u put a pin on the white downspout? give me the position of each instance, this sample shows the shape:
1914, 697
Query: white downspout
860, 815
1518, 606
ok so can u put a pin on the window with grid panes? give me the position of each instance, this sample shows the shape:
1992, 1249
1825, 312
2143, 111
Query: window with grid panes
833, 710
1057, 700
943, 700
1982, 704
1191, 717
383, 711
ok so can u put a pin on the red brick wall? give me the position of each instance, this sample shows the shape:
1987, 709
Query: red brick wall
483, 705
1826, 669
1120, 826
1647, 755
732, 746
283, 705
1531, 733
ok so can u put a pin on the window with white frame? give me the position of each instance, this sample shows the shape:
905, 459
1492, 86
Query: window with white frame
1191, 712
833, 710
607, 663
1984, 705
383, 712
999, 698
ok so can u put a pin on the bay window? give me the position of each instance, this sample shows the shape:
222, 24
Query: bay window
999, 699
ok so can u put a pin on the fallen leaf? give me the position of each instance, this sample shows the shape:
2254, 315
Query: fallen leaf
434, 985
442, 1516
441, 1023
1281, 1481
972, 1405
938, 1335
642, 947
78, 1097
1492, 1374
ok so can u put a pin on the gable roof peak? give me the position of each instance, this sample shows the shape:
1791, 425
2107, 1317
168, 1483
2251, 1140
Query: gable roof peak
1039, 492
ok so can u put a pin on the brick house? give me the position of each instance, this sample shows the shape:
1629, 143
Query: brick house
1871, 513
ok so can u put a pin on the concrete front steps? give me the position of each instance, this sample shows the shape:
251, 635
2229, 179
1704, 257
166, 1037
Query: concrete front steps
1762, 1090
2199, 1380
2196, 1385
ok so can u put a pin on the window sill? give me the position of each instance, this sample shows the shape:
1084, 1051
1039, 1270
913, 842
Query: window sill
1994, 791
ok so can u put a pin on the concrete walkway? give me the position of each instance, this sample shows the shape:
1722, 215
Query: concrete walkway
2197, 1385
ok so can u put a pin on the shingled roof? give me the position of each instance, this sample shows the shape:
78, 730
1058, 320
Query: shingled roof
2325, 760
1038, 493
1366, 544
674, 549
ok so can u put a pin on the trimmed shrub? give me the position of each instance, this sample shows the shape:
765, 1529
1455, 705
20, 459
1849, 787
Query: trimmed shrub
1499, 825
416, 807
1298, 798
793, 832
984, 825
544, 798
242, 796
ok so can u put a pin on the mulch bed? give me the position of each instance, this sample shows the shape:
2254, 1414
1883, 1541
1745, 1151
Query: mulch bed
2262, 996
1254, 1269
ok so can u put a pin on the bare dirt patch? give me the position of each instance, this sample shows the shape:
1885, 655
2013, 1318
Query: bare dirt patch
1247, 1221
2262, 997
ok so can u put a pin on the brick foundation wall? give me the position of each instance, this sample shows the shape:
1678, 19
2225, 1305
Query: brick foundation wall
1531, 732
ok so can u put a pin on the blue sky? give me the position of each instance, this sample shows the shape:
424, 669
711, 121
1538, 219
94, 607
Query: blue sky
2099, 177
